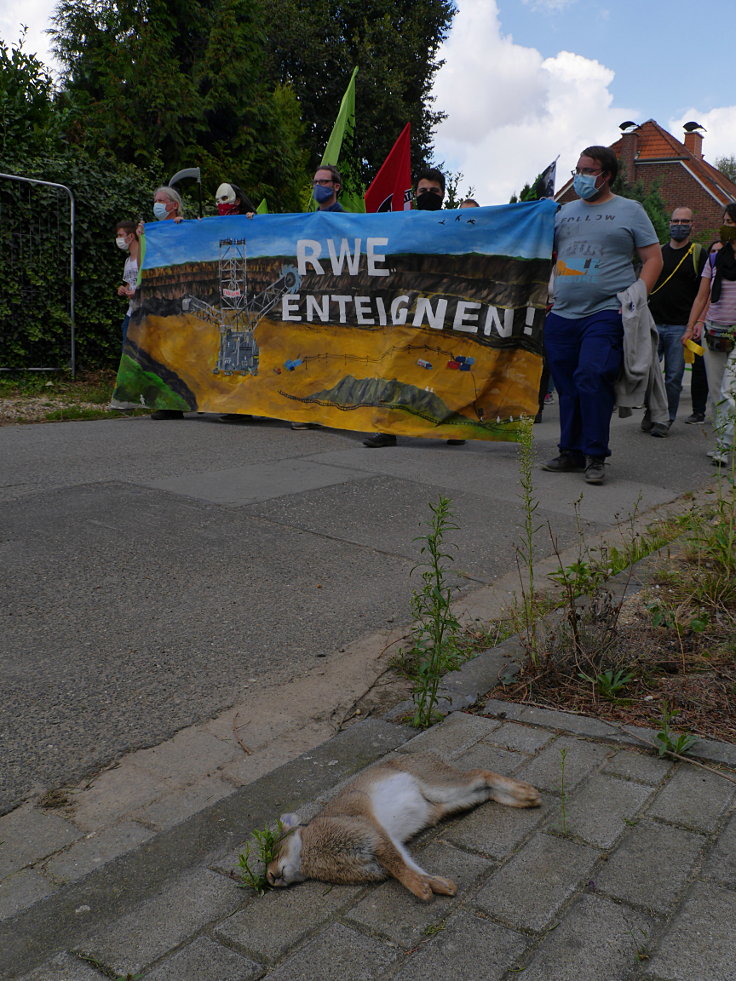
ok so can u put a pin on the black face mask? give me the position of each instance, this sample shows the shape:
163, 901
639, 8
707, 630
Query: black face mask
428, 201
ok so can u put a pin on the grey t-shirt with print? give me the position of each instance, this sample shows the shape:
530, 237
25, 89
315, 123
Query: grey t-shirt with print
595, 245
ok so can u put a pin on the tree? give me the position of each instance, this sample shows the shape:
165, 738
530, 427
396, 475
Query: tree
35, 230
727, 166
28, 120
527, 193
315, 44
183, 82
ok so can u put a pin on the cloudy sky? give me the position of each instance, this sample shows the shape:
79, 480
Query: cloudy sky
526, 80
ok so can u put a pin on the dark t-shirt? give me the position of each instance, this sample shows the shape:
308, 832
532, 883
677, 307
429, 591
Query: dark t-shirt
671, 303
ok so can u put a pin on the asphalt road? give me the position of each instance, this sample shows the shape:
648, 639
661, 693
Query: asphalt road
151, 570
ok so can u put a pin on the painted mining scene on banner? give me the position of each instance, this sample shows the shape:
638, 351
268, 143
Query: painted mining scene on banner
413, 323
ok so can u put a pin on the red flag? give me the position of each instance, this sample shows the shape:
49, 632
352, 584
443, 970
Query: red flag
390, 189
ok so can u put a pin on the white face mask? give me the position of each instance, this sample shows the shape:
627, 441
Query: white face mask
121, 242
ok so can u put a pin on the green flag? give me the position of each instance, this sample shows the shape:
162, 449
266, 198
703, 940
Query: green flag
341, 141
262, 208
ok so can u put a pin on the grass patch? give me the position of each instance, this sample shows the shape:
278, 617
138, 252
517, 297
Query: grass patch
665, 652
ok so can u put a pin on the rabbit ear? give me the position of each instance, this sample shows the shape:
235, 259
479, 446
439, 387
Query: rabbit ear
290, 820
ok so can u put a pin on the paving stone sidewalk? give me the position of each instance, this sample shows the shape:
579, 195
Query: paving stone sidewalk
628, 874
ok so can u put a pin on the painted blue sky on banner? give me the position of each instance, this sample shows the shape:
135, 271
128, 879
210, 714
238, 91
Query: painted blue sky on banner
521, 230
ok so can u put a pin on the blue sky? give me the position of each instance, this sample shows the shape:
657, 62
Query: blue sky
660, 51
526, 80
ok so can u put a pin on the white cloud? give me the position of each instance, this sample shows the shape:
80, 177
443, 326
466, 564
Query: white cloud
510, 111
719, 140
36, 16
549, 6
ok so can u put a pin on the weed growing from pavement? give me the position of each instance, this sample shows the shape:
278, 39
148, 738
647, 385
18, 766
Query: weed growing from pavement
267, 841
435, 630
525, 553
572, 633
669, 741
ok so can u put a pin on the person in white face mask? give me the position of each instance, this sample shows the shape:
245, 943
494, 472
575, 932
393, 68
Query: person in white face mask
167, 206
126, 238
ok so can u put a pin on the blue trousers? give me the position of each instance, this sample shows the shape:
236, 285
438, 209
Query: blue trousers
584, 357
673, 353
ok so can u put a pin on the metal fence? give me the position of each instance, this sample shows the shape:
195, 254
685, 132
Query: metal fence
37, 275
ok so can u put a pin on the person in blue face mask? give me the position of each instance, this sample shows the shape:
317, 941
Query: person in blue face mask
167, 205
595, 241
326, 185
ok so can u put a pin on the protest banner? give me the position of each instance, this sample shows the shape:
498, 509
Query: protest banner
413, 323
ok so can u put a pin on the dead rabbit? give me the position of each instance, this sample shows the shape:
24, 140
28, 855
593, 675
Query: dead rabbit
359, 836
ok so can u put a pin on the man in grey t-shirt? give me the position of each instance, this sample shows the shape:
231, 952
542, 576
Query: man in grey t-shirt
595, 241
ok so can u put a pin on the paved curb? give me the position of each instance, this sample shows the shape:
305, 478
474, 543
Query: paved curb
94, 903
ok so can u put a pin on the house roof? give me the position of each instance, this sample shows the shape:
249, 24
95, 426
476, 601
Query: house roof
655, 144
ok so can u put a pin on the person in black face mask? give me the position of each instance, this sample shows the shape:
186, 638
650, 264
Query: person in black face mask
670, 302
428, 196
430, 190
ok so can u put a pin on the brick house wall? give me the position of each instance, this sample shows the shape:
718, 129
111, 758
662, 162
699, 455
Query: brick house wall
649, 154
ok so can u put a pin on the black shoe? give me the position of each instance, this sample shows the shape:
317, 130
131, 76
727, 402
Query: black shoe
697, 418
660, 429
538, 417
167, 414
566, 462
235, 418
456, 442
646, 423
594, 470
380, 439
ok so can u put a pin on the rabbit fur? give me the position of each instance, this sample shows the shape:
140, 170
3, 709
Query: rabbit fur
359, 835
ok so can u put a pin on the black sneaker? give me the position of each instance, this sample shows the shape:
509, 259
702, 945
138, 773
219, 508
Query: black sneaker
646, 423
566, 462
660, 429
594, 470
697, 418
167, 414
380, 439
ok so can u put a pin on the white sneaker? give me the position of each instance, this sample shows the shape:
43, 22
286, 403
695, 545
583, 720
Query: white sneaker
719, 459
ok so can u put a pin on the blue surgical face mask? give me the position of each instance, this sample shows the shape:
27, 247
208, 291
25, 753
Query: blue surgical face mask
679, 232
584, 185
322, 193
159, 210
